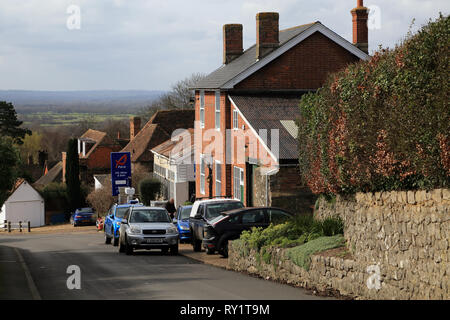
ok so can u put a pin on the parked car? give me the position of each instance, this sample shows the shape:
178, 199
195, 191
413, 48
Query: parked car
202, 213
83, 216
113, 220
182, 222
229, 225
147, 228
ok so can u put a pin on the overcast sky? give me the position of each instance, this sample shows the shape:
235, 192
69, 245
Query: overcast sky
146, 44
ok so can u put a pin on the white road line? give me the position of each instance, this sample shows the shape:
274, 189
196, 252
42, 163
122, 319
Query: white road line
31, 285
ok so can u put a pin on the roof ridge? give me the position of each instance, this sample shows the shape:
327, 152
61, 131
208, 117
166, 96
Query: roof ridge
300, 26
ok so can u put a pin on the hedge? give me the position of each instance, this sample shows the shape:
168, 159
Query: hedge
382, 124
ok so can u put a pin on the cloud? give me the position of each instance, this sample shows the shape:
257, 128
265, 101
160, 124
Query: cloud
149, 44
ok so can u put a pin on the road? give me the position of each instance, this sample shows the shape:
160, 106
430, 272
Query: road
35, 267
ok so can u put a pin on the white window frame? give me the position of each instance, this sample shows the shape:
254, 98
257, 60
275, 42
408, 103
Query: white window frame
202, 174
217, 110
237, 186
218, 178
235, 119
202, 108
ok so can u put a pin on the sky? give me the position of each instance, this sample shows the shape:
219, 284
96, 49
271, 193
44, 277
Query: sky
150, 45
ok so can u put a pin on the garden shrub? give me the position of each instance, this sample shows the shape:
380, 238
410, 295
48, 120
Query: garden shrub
301, 255
382, 124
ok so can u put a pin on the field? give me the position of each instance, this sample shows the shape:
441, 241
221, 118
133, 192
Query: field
53, 119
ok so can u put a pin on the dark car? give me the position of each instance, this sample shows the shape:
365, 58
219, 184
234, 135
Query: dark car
182, 222
203, 211
83, 216
229, 225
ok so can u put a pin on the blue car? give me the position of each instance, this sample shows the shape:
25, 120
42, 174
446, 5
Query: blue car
182, 222
82, 216
113, 221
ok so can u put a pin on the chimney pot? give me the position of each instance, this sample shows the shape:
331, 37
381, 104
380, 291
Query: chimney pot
232, 42
267, 33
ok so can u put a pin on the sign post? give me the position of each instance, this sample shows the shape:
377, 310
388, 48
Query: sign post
120, 171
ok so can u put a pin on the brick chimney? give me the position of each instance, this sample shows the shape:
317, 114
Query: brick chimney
232, 42
267, 33
360, 16
135, 127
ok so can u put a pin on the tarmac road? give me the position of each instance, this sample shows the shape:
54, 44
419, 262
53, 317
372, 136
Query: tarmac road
35, 267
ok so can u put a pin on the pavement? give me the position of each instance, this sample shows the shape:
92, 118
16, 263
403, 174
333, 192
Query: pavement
35, 266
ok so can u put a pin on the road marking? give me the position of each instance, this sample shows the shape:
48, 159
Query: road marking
31, 285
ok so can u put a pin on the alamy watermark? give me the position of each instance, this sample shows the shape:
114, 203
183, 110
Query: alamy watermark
74, 280
73, 22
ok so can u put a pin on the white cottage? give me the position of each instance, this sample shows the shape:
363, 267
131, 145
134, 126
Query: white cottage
24, 204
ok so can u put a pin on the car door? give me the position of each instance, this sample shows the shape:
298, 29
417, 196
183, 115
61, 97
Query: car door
254, 218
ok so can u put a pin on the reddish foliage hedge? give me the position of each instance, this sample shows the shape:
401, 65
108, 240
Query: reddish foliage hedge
382, 124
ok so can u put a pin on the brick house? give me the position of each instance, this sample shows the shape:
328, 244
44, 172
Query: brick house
157, 130
245, 111
94, 149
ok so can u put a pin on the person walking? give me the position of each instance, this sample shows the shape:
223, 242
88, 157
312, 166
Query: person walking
170, 207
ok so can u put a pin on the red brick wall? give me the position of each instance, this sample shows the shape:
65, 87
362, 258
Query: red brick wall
101, 158
305, 66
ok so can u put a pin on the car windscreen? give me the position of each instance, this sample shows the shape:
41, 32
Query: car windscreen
185, 213
120, 212
149, 215
213, 210
85, 210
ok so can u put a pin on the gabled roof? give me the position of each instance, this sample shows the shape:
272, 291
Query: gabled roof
97, 138
51, 175
274, 111
157, 130
186, 142
227, 76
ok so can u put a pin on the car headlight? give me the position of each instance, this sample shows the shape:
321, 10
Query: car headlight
135, 230
172, 230
185, 228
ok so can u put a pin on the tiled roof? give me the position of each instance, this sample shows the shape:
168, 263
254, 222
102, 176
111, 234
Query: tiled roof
98, 138
275, 111
227, 72
51, 175
165, 148
157, 130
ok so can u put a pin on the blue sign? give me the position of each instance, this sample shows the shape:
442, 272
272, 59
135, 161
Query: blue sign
120, 171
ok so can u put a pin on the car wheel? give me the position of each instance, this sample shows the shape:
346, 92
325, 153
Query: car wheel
115, 242
223, 247
210, 251
174, 250
128, 248
107, 239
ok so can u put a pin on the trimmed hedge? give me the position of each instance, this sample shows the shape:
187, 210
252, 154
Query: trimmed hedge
382, 124
149, 190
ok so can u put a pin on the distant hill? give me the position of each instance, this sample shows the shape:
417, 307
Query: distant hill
98, 101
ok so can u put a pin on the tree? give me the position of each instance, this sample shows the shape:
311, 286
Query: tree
101, 200
31, 147
9, 158
73, 183
180, 97
9, 125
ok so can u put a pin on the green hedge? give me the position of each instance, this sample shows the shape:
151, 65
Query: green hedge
149, 190
382, 124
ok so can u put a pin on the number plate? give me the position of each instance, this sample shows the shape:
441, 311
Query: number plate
157, 240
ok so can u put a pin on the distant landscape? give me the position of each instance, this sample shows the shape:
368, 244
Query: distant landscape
62, 108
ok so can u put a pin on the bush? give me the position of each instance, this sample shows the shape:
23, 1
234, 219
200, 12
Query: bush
101, 200
149, 190
382, 124
298, 230
301, 255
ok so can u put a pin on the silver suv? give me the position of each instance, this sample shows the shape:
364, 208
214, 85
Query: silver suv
147, 228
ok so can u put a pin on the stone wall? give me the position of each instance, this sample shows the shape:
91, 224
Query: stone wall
399, 243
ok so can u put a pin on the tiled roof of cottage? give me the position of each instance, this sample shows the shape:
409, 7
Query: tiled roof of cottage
97, 138
165, 149
158, 130
51, 175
